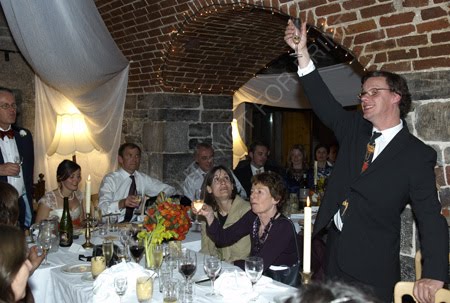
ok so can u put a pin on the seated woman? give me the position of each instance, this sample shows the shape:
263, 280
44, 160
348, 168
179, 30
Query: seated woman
68, 175
14, 266
323, 168
271, 233
295, 168
219, 190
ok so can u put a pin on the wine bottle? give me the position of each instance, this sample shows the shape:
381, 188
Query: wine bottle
65, 226
304, 191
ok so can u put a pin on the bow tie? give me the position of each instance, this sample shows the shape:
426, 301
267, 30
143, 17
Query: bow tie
9, 133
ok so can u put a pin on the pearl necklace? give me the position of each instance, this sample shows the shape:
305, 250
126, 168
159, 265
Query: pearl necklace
71, 197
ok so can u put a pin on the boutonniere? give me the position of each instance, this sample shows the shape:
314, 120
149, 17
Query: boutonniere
22, 133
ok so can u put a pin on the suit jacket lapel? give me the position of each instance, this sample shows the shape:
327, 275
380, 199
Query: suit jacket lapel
397, 144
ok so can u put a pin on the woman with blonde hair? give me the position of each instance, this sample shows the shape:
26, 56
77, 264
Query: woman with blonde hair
296, 167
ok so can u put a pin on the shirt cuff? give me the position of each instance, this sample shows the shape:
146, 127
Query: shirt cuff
308, 69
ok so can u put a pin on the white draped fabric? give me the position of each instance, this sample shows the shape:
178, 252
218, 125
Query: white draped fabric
79, 69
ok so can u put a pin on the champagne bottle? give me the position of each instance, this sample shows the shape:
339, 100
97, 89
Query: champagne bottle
304, 190
65, 226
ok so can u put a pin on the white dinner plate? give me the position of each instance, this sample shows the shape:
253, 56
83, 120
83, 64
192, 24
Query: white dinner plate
76, 269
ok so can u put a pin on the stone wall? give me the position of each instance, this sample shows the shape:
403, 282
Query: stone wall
168, 126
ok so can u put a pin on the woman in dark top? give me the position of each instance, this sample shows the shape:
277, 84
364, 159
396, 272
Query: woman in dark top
271, 233
295, 168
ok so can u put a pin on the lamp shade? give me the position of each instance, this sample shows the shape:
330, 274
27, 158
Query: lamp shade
71, 136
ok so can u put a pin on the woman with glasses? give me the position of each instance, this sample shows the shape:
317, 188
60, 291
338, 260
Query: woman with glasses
219, 191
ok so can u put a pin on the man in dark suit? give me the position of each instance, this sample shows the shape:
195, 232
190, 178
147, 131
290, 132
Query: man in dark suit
363, 205
258, 154
16, 157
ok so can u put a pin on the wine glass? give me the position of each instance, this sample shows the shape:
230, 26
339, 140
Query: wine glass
187, 264
47, 237
108, 250
136, 250
198, 204
45, 240
125, 236
120, 285
253, 269
212, 266
297, 35
157, 256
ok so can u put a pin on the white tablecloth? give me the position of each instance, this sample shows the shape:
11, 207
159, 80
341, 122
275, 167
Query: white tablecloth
52, 285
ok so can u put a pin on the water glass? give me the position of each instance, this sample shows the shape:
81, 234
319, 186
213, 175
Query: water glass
113, 223
165, 274
144, 288
171, 291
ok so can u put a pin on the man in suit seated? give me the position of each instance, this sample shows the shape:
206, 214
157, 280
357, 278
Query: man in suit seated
120, 190
258, 154
204, 161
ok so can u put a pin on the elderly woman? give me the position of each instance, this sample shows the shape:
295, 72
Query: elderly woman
68, 175
14, 266
271, 233
219, 190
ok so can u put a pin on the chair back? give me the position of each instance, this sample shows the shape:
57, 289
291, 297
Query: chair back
401, 289
418, 264
442, 296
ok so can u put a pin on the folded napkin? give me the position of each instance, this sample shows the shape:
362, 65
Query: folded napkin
235, 286
77, 248
104, 284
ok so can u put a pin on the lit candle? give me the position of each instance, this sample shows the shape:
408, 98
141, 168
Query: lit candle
88, 195
307, 238
315, 172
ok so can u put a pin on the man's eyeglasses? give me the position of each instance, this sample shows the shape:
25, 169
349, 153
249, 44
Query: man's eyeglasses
372, 92
7, 106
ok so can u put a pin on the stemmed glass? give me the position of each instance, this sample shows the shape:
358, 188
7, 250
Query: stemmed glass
212, 266
187, 265
157, 256
120, 285
124, 236
297, 35
47, 235
253, 269
198, 204
108, 250
136, 250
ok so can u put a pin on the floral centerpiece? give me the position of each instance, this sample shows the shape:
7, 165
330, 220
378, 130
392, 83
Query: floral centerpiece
165, 220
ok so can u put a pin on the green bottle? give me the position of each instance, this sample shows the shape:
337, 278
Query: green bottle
65, 226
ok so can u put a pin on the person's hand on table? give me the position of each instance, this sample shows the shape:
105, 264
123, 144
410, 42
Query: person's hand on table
206, 211
425, 289
35, 258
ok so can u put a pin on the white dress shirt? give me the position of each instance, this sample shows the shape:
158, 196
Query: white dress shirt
256, 171
116, 185
195, 181
10, 154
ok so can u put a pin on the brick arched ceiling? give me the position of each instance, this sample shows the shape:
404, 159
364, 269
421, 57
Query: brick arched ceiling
217, 48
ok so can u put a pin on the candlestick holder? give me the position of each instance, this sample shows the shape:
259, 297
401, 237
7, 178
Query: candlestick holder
306, 277
87, 234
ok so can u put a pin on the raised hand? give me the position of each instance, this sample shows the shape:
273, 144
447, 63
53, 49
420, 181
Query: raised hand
301, 48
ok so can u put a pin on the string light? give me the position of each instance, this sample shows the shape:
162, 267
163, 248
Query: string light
319, 34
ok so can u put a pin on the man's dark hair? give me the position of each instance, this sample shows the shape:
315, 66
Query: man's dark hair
5, 89
128, 145
254, 144
398, 85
